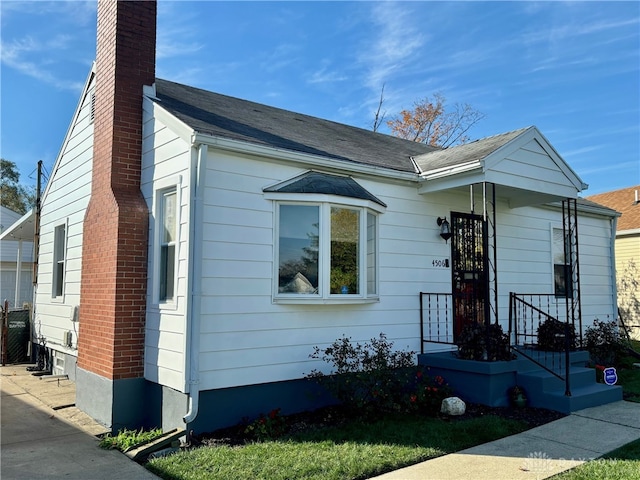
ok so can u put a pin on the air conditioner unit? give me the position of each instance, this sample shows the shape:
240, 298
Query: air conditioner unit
67, 338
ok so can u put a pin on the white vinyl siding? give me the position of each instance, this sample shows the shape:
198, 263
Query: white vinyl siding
165, 162
64, 203
245, 337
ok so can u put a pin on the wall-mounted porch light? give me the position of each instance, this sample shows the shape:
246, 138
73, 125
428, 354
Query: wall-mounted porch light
445, 229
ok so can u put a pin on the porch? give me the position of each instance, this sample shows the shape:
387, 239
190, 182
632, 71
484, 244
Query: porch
557, 379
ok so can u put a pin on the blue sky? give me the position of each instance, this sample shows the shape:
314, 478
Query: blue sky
570, 68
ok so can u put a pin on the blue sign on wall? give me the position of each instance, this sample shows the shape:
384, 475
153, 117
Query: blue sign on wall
610, 376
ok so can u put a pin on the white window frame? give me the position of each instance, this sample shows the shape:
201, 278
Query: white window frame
325, 203
59, 265
167, 186
567, 280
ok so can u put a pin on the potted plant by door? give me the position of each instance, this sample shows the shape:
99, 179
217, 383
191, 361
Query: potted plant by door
518, 396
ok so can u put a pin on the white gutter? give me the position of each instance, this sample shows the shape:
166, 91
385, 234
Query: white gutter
452, 170
194, 280
313, 161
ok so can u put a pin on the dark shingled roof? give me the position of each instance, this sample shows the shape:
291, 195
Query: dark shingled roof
316, 182
219, 115
466, 153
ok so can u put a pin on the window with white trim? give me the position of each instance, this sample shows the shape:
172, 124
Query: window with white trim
168, 224
561, 278
326, 251
59, 254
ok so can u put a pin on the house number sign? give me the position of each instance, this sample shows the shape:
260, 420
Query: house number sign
440, 263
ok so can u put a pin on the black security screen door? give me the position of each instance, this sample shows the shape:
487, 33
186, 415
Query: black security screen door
469, 270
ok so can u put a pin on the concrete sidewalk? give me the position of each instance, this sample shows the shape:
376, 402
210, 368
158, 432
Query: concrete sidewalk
537, 453
45, 436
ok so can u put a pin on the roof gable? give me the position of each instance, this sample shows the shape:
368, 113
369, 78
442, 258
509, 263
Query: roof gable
69, 135
522, 164
464, 154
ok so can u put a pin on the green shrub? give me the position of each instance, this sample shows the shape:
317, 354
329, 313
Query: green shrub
373, 378
482, 342
127, 439
551, 335
605, 343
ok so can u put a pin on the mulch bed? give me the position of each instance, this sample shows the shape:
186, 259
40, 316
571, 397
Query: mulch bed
334, 415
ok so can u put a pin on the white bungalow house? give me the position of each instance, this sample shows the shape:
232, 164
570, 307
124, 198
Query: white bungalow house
231, 215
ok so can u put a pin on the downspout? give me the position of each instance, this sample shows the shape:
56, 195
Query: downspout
194, 281
614, 284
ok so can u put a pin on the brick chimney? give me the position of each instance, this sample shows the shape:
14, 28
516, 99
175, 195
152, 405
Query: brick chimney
115, 232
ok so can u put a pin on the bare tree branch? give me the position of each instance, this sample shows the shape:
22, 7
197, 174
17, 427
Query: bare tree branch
379, 117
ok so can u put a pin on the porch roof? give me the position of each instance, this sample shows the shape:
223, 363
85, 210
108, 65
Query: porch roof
523, 165
23, 229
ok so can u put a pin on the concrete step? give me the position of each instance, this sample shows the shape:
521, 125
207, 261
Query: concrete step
582, 397
555, 361
546, 381
545, 390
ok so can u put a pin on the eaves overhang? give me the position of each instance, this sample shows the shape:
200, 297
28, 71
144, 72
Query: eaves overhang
21, 230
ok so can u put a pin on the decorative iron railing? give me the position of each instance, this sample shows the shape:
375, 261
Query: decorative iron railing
527, 313
436, 319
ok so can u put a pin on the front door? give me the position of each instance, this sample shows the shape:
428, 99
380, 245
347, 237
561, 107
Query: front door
469, 268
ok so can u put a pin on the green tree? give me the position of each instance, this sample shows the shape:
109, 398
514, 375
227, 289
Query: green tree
14, 195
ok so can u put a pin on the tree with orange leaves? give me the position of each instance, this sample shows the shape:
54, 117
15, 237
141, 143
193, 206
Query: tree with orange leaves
431, 123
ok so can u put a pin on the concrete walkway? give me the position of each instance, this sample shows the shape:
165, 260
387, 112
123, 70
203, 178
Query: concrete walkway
537, 453
44, 436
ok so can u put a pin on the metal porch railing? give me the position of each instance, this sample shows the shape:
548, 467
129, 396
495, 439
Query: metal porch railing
526, 313
436, 319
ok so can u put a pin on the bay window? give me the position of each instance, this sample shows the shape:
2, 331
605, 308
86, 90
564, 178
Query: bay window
326, 251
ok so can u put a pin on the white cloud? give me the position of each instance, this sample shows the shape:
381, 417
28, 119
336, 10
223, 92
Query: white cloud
29, 57
326, 75
282, 56
176, 35
394, 42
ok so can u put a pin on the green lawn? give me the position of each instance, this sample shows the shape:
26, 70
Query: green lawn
356, 450
623, 463
359, 450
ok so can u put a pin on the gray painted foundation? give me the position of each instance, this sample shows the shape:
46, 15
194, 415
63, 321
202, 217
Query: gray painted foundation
117, 404
230, 406
138, 403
